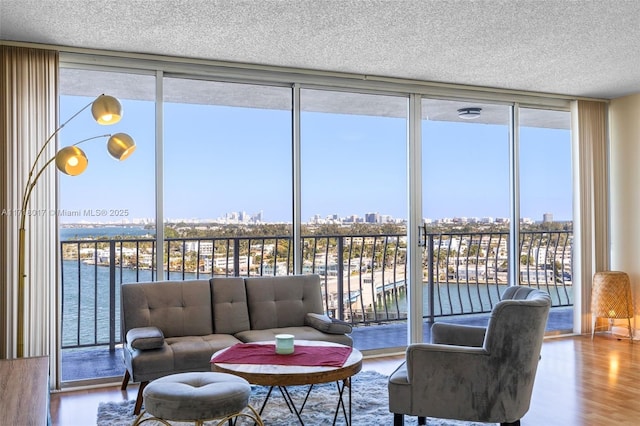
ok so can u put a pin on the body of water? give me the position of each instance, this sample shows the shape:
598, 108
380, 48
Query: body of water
75, 233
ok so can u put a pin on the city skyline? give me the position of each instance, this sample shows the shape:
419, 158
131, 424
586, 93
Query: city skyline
236, 218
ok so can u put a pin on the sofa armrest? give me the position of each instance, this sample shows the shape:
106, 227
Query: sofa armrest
457, 334
144, 338
327, 325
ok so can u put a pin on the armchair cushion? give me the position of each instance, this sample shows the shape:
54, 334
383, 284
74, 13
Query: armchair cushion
328, 325
144, 338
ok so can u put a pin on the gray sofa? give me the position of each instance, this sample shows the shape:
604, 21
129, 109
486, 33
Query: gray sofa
175, 326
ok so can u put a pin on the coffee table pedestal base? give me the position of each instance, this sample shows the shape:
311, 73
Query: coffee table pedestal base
292, 407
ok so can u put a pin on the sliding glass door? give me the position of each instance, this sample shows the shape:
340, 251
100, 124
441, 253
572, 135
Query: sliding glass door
466, 205
497, 206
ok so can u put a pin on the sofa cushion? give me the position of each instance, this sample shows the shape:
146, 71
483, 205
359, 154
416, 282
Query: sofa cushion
145, 338
193, 353
282, 301
178, 308
177, 355
229, 299
328, 325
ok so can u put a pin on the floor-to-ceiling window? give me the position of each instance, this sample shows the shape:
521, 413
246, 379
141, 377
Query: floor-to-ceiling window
546, 211
354, 201
106, 215
230, 183
227, 179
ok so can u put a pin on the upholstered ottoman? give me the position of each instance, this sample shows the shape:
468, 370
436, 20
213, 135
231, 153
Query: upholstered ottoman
197, 397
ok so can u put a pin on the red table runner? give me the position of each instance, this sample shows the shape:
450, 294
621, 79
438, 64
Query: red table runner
308, 356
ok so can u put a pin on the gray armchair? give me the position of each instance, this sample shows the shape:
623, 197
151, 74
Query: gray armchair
475, 373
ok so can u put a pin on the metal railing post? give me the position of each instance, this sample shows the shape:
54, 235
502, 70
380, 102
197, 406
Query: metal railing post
236, 257
340, 289
112, 295
430, 278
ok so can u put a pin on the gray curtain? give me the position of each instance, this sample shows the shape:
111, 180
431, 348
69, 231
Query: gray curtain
591, 217
28, 95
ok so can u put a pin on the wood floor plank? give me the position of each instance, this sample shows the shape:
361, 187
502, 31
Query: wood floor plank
580, 382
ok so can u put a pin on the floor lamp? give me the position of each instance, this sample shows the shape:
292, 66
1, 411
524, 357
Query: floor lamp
611, 298
72, 161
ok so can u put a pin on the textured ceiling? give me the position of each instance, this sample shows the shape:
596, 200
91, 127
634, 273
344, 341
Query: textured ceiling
577, 48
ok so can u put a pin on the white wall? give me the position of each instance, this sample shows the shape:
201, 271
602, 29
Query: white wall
624, 139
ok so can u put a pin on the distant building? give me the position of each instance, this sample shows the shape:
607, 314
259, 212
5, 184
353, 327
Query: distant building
352, 219
372, 218
547, 218
205, 248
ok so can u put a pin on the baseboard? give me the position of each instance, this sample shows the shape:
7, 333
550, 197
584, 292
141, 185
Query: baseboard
623, 332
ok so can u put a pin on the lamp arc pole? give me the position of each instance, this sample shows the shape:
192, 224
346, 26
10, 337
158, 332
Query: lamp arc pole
72, 161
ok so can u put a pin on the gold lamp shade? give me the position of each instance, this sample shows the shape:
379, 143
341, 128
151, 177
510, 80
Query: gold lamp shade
121, 146
71, 160
106, 110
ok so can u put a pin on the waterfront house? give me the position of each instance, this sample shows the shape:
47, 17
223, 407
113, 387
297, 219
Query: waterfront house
548, 56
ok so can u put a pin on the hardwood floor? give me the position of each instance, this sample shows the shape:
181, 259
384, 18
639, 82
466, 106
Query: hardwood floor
580, 382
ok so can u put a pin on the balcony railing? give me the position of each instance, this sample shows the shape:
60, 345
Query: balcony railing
363, 276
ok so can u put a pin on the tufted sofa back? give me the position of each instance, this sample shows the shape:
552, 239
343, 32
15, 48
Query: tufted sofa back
230, 312
283, 301
178, 308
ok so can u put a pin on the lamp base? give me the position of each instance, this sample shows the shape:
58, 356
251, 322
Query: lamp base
623, 332
629, 334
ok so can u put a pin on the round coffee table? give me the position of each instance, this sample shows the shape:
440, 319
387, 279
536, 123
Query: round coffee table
281, 376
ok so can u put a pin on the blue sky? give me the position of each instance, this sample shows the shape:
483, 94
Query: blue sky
226, 159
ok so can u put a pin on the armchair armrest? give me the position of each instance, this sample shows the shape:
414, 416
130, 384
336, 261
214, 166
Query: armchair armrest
455, 334
326, 324
145, 338
438, 375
